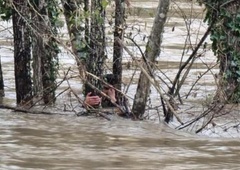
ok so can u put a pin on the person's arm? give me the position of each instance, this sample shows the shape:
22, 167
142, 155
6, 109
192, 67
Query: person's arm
112, 95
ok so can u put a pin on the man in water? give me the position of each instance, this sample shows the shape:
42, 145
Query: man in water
112, 101
95, 100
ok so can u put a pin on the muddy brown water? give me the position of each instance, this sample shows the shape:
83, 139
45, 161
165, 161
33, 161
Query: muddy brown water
60, 142
39, 142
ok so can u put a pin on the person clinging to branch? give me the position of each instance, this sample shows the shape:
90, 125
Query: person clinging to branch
94, 100
109, 99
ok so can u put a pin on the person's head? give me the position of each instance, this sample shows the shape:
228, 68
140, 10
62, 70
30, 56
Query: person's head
110, 79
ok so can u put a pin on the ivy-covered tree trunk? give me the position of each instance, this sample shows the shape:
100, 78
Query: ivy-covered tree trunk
45, 50
22, 52
87, 32
78, 23
117, 48
229, 54
74, 16
50, 60
225, 17
152, 51
97, 56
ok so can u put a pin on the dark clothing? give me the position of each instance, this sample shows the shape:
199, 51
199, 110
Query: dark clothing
122, 103
107, 103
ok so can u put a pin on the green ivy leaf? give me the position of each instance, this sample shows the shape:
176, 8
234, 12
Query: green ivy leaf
104, 3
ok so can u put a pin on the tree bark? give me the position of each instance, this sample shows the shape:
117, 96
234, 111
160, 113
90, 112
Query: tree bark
22, 52
97, 56
45, 51
74, 16
1, 81
229, 55
78, 25
49, 66
152, 51
117, 48
37, 52
88, 41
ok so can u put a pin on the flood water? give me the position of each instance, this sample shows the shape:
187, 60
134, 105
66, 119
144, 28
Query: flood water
60, 142
37, 142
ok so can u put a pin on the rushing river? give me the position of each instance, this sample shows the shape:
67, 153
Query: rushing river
39, 142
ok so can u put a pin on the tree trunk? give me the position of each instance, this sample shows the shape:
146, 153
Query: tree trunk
88, 40
152, 51
117, 48
87, 26
78, 25
22, 52
50, 60
37, 52
45, 51
97, 56
74, 17
229, 75
1, 81
37, 74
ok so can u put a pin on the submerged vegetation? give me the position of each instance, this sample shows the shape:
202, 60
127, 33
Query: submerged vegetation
110, 31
